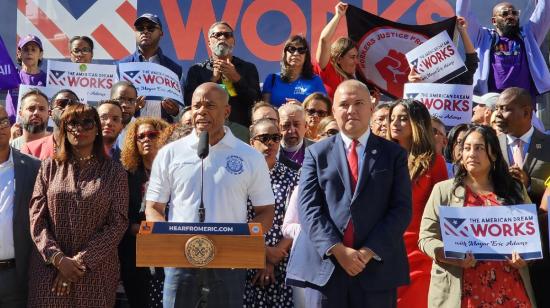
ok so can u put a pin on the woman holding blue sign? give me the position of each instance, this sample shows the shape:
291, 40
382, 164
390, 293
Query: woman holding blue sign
482, 179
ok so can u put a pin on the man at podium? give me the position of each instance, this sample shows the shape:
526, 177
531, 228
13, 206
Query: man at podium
233, 173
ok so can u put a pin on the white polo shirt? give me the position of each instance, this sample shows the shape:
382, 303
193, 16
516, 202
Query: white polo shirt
233, 173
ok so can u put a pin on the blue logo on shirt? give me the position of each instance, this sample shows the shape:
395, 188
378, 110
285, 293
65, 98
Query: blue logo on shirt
234, 164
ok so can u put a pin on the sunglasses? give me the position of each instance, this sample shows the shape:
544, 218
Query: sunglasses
265, 138
153, 134
146, 28
292, 49
64, 102
319, 113
331, 132
218, 35
84, 124
509, 12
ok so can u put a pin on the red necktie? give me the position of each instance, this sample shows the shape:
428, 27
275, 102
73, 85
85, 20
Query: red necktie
353, 164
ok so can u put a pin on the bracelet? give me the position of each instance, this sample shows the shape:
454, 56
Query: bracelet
52, 258
56, 264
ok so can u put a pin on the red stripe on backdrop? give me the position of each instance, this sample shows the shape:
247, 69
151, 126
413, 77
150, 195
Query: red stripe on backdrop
110, 43
48, 28
128, 12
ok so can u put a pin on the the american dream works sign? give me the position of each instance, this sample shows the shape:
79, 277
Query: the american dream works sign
490, 232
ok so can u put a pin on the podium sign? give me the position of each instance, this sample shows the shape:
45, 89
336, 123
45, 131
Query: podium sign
200, 245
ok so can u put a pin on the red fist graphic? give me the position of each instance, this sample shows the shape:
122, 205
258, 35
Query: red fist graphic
394, 68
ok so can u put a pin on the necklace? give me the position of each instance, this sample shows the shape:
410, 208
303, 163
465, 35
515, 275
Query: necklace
85, 158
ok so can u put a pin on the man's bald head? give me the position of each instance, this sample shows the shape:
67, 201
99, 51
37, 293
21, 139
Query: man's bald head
514, 111
211, 87
352, 108
502, 6
352, 84
210, 108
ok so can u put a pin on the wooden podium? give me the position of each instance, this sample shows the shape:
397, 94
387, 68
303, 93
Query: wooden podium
200, 245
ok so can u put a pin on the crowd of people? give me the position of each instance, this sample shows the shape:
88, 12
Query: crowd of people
346, 186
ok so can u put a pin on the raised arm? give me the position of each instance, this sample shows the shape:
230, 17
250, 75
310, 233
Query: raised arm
323, 50
463, 9
540, 20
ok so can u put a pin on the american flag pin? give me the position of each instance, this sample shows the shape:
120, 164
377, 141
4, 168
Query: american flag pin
538, 146
374, 152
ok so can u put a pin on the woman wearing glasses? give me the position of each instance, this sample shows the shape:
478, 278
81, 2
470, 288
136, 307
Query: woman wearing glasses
482, 179
327, 127
82, 49
267, 288
78, 214
296, 80
143, 286
317, 107
411, 127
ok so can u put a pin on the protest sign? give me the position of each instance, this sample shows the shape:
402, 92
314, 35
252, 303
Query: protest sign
490, 232
9, 78
49, 91
96, 79
437, 60
451, 103
152, 80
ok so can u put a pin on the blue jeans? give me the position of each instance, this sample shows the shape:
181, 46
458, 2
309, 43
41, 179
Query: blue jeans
217, 287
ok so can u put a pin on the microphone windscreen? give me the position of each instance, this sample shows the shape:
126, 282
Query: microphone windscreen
202, 149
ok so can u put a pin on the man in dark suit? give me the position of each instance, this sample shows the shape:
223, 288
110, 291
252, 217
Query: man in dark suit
17, 175
527, 152
355, 204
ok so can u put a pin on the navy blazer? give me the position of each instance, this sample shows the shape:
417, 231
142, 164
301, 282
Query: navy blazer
380, 208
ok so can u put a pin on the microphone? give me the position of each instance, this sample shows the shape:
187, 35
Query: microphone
202, 152
203, 147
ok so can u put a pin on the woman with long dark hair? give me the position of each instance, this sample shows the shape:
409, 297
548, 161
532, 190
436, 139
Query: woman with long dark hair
482, 179
296, 80
78, 214
452, 150
411, 127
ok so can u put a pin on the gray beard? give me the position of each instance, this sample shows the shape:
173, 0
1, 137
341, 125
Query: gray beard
33, 129
222, 50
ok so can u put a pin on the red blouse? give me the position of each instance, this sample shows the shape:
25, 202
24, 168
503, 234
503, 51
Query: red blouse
329, 75
491, 283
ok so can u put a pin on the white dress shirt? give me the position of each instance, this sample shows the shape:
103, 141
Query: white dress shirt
7, 191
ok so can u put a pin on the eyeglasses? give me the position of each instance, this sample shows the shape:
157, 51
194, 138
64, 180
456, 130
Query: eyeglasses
4, 123
265, 138
106, 117
506, 13
320, 113
330, 132
84, 124
84, 50
146, 28
63, 102
127, 100
153, 134
218, 35
292, 49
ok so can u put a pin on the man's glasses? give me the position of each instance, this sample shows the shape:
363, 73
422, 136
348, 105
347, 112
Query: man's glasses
292, 49
265, 138
153, 134
84, 124
63, 102
5, 122
218, 35
330, 132
146, 28
83, 51
320, 113
506, 13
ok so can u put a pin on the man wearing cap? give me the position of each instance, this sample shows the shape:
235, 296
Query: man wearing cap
29, 56
148, 29
484, 106
238, 77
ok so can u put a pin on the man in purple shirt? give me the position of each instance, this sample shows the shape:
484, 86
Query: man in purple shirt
293, 128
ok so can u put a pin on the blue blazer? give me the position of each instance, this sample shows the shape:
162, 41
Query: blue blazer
381, 209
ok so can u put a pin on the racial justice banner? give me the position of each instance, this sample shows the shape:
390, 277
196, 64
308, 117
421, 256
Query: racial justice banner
490, 232
451, 103
49, 92
95, 79
152, 80
382, 45
437, 60
9, 78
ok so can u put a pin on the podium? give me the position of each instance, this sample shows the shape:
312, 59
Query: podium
200, 245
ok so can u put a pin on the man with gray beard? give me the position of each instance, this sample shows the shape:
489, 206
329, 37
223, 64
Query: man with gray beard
33, 117
238, 77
